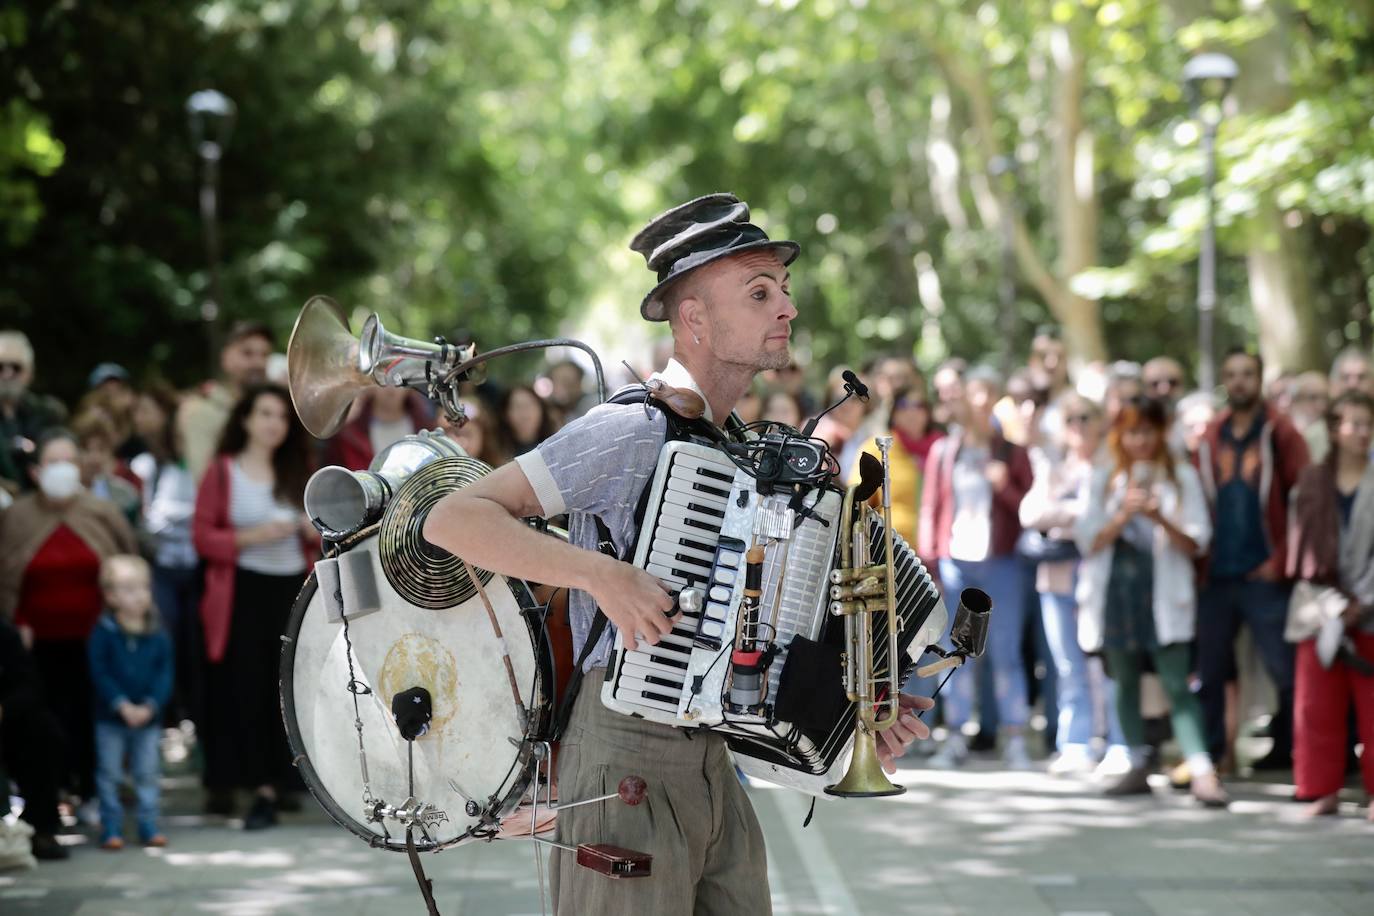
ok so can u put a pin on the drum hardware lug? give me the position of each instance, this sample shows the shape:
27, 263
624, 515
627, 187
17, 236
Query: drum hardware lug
470, 807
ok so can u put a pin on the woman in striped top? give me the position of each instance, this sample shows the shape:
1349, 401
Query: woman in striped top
257, 545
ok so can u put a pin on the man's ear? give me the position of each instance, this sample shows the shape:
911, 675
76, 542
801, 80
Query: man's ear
691, 313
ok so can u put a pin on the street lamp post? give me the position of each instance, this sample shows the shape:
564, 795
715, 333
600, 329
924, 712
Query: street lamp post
212, 120
1208, 78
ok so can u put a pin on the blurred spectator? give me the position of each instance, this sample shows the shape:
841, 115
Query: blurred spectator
101, 471
891, 374
969, 526
1195, 413
1162, 379
384, 417
525, 419
907, 421
1049, 512
1249, 461
1021, 410
838, 427
200, 420
131, 668
749, 408
109, 389
31, 742
1332, 556
257, 544
1280, 392
169, 501
1351, 370
479, 436
569, 396
52, 542
1145, 523
1049, 359
783, 407
792, 379
23, 415
1307, 409
948, 382
1123, 385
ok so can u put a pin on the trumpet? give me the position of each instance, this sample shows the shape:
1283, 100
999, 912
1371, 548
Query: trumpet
858, 593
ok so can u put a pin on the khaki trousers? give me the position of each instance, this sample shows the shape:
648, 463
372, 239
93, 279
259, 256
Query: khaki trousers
696, 820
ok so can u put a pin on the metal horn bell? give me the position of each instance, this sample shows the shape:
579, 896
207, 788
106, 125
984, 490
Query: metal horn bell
323, 371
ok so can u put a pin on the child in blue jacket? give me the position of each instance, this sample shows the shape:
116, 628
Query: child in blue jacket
131, 670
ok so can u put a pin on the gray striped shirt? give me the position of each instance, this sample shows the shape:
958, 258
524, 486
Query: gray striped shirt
251, 503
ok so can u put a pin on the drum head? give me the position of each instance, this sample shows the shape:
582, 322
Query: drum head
475, 749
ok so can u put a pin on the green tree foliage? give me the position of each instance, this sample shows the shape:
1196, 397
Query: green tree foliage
477, 167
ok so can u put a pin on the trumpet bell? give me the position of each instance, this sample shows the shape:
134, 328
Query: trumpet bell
323, 372
865, 777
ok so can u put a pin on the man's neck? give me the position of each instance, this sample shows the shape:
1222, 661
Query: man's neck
1243, 418
722, 384
1350, 466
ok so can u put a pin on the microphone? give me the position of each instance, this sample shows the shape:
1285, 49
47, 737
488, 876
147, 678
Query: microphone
853, 385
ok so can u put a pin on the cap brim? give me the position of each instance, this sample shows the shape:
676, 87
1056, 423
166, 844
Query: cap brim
652, 307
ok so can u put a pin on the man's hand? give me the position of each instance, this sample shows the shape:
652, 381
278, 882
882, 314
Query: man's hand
634, 601
894, 741
1351, 615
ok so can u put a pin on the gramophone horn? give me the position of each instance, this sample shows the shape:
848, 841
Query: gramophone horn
322, 367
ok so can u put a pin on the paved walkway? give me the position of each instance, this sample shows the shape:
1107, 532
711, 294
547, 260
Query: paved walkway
975, 841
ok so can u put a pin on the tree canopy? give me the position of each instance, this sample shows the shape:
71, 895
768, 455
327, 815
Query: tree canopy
470, 167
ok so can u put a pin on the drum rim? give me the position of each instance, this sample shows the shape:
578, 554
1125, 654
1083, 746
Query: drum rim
523, 769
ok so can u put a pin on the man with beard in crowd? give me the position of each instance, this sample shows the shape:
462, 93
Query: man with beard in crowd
242, 362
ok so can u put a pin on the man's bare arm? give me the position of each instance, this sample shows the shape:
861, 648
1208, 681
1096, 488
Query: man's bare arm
482, 523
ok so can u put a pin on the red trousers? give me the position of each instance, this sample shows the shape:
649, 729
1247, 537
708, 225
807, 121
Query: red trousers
1321, 713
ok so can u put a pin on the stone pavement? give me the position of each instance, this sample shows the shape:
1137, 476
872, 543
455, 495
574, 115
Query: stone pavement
974, 841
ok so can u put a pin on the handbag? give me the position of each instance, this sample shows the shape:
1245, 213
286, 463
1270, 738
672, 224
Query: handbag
1310, 608
1039, 547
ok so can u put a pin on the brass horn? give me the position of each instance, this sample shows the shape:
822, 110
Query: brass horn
863, 590
328, 367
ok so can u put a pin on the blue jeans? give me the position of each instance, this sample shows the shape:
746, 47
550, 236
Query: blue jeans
113, 742
1000, 577
1076, 689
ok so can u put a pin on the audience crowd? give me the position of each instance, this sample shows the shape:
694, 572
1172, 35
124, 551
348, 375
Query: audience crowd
152, 542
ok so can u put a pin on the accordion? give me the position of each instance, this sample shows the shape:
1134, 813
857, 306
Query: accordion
703, 513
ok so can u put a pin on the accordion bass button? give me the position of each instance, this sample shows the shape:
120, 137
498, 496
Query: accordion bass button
729, 558
720, 593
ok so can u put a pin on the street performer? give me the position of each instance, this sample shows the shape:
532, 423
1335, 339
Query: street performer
723, 289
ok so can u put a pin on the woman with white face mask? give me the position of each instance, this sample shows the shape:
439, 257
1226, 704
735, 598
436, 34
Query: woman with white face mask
52, 541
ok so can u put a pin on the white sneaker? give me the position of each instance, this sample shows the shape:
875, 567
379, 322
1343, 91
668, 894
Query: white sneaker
1014, 754
1073, 760
952, 755
1114, 763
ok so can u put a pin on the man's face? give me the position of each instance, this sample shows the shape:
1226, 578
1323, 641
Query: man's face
747, 310
1047, 355
1309, 397
1163, 378
1352, 374
245, 360
567, 385
15, 371
1241, 376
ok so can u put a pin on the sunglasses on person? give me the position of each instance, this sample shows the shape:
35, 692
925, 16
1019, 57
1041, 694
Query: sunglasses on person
1078, 419
1168, 384
11, 367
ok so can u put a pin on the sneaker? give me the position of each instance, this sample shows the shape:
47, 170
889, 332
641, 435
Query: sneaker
1014, 754
1132, 782
1208, 790
45, 846
1074, 760
262, 815
951, 756
156, 841
1181, 777
112, 843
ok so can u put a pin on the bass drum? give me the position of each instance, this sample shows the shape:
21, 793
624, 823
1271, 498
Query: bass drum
476, 763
